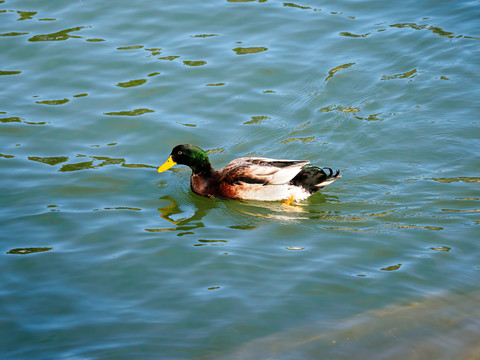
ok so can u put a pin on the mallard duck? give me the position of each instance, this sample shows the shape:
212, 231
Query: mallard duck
252, 178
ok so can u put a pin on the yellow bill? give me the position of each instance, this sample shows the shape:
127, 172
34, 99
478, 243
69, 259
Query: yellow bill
167, 165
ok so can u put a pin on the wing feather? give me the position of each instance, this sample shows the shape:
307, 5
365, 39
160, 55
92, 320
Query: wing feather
261, 171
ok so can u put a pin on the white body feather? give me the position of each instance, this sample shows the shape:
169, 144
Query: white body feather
274, 192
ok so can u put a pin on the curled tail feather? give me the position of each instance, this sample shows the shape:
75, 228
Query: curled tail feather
331, 177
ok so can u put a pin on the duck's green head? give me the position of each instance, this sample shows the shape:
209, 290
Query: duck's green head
189, 155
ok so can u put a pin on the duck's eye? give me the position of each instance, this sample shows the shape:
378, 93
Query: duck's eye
179, 152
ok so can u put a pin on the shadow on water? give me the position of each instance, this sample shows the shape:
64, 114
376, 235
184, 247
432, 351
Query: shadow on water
30, 250
439, 326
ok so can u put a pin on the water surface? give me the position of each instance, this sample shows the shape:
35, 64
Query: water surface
103, 258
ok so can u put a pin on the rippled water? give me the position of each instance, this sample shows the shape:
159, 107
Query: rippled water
103, 258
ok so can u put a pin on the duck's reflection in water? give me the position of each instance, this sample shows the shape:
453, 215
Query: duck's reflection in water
186, 212
184, 221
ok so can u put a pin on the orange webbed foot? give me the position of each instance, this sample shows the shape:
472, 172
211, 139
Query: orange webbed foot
288, 201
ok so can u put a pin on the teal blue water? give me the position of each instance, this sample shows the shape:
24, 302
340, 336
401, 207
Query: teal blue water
103, 258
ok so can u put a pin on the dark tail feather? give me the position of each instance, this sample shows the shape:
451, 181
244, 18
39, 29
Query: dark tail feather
313, 178
331, 176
